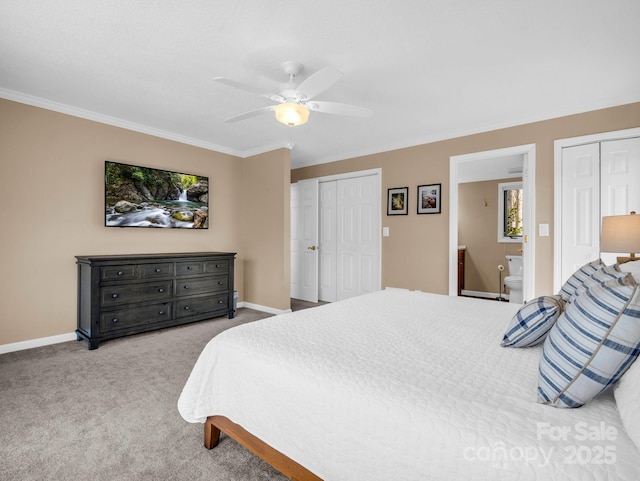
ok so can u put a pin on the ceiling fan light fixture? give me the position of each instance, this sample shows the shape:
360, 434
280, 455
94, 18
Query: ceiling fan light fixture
292, 114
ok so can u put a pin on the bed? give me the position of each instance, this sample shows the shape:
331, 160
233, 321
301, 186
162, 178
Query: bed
399, 384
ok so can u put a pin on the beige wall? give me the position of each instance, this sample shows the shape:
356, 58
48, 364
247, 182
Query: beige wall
52, 169
415, 254
52, 204
478, 231
266, 218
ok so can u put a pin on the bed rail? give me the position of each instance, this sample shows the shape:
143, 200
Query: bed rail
287, 466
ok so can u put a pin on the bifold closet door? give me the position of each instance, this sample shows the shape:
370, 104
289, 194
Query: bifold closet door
620, 181
580, 234
349, 238
598, 179
328, 262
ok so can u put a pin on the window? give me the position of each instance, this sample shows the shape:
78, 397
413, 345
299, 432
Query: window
510, 212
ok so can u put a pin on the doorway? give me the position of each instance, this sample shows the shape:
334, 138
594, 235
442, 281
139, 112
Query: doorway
481, 160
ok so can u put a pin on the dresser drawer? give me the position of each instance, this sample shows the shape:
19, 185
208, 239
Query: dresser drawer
201, 305
188, 287
149, 271
189, 268
216, 267
112, 273
131, 293
134, 316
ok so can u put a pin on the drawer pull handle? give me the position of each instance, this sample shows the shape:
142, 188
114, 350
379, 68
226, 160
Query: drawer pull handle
120, 273
115, 296
157, 270
188, 268
220, 283
186, 287
217, 266
161, 290
220, 302
161, 313
114, 320
186, 308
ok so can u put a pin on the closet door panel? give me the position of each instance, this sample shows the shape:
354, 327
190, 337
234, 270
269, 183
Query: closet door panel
580, 207
620, 181
328, 245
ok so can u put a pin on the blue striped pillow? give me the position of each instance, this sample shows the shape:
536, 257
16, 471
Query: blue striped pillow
533, 321
578, 277
592, 344
608, 273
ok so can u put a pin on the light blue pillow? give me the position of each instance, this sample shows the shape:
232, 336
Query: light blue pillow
533, 321
578, 277
592, 344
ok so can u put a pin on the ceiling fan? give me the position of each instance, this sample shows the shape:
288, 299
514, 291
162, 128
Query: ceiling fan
295, 102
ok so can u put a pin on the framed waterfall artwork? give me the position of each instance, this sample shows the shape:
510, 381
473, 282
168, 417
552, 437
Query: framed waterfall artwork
397, 201
429, 199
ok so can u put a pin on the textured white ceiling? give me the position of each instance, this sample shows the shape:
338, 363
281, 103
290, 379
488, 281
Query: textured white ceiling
429, 69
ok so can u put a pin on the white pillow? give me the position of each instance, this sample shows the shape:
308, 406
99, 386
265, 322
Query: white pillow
627, 394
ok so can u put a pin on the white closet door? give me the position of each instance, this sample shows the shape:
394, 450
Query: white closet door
304, 240
328, 242
620, 180
358, 262
580, 207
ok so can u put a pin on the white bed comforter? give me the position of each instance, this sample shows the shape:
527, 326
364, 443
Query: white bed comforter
400, 385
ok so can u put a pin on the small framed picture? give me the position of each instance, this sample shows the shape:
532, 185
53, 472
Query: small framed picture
397, 201
429, 199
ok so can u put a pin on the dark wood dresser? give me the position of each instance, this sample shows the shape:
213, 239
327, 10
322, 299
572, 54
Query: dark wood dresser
121, 295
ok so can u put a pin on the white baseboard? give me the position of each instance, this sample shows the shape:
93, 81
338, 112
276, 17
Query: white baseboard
258, 307
43, 341
484, 295
71, 336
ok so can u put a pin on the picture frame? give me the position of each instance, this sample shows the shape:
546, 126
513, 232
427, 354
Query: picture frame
398, 201
429, 199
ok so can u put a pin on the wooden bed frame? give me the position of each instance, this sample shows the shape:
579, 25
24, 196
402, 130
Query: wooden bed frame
287, 466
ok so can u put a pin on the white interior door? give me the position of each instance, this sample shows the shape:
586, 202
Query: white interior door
620, 181
358, 247
598, 179
328, 246
304, 240
346, 231
580, 237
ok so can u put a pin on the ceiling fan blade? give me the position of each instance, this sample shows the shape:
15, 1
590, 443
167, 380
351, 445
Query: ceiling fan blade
251, 113
319, 82
247, 88
337, 108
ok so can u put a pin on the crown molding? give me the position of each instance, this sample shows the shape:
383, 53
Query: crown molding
114, 121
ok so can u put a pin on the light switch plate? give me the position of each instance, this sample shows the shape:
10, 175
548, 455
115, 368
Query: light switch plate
543, 230
385, 232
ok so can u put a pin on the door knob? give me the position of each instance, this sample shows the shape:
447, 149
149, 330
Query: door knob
312, 248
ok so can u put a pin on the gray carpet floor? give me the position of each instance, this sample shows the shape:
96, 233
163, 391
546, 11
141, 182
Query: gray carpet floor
67, 413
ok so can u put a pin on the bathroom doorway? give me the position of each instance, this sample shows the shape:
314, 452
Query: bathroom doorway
486, 167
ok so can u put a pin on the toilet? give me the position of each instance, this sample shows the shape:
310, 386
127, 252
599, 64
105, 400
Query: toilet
514, 280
